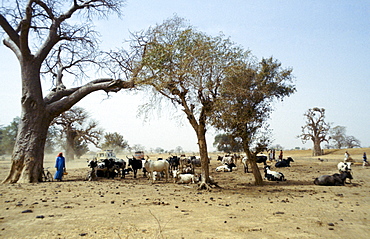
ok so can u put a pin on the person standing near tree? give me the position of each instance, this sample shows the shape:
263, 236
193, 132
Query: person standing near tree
60, 166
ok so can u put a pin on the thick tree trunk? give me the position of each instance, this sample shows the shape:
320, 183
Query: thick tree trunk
28, 154
70, 153
255, 170
316, 148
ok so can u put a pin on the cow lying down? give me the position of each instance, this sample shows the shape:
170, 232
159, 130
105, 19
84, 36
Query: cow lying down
226, 168
273, 175
183, 178
333, 180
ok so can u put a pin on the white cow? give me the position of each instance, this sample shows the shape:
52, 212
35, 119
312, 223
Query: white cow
183, 178
157, 166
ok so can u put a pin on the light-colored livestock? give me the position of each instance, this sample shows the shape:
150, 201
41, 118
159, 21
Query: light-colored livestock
245, 164
157, 166
184, 162
226, 168
183, 178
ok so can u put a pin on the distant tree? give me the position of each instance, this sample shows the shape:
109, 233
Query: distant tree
227, 143
51, 139
278, 147
80, 147
352, 142
78, 130
159, 150
114, 141
338, 135
315, 129
179, 150
8, 136
55, 38
245, 103
138, 147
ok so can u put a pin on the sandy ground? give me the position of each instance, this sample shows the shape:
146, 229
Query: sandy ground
132, 208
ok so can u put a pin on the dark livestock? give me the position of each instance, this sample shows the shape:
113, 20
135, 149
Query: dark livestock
284, 163
259, 159
174, 162
135, 164
336, 179
118, 167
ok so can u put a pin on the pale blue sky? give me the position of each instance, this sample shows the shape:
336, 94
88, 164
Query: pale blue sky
327, 43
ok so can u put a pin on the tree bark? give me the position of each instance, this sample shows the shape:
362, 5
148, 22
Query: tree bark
202, 144
255, 170
28, 152
70, 141
317, 148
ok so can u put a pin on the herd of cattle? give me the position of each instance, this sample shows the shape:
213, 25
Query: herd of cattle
182, 169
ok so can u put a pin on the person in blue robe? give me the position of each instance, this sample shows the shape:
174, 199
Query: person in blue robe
60, 166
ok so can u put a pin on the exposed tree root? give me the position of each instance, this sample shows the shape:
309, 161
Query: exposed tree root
208, 186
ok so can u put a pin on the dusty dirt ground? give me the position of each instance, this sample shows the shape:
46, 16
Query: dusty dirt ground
132, 208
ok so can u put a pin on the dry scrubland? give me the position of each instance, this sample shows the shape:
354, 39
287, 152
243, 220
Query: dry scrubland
132, 208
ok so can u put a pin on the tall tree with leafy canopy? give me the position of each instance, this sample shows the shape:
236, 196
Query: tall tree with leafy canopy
187, 67
52, 37
245, 104
315, 129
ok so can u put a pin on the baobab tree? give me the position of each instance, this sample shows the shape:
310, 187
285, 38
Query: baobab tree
315, 129
75, 126
40, 34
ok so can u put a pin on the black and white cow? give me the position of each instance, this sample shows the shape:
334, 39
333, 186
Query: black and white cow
119, 166
273, 175
226, 168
